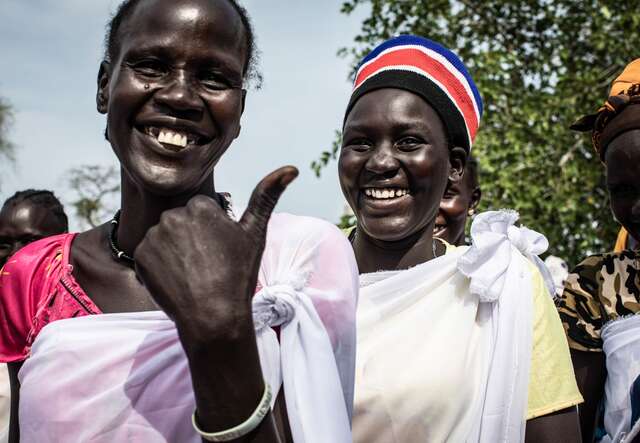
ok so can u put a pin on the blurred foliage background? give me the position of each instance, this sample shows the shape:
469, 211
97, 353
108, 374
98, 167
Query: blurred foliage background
539, 65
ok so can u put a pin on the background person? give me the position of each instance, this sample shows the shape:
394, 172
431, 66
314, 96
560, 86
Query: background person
28, 216
460, 201
601, 299
25, 217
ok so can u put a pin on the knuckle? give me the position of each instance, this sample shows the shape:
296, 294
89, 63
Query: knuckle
200, 204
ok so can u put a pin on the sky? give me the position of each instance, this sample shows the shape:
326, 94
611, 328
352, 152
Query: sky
51, 51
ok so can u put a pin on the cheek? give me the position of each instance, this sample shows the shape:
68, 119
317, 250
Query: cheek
226, 109
348, 169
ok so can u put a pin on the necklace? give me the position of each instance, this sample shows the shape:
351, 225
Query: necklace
352, 237
119, 254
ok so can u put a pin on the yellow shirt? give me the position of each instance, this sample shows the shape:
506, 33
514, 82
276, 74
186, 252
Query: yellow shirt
552, 383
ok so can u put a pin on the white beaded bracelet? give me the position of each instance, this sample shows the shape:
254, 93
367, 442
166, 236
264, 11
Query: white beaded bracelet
243, 428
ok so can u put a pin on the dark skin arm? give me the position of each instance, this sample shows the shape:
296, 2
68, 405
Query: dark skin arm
591, 373
558, 427
14, 429
201, 268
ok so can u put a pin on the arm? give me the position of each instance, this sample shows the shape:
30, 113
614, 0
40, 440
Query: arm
591, 374
14, 427
201, 268
558, 427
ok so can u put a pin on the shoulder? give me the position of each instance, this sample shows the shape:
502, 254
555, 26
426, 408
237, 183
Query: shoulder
37, 256
292, 229
25, 281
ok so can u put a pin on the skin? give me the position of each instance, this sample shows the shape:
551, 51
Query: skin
191, 54
393, 138
22, 224
622, 165
458, 200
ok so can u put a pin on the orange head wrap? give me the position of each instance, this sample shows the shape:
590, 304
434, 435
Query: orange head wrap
616, 115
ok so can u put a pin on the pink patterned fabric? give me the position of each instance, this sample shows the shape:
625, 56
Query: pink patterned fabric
37, 288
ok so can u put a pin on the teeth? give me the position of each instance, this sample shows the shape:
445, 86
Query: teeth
385, 193
171, 137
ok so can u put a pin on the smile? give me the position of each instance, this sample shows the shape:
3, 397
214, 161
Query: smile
176, 138
385, 193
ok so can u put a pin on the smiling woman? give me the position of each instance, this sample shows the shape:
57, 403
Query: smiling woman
601, 300
454, 344
158, 326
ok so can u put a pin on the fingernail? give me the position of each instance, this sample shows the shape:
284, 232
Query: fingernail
288, 178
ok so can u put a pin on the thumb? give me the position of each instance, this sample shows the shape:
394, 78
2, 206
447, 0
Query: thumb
264, 198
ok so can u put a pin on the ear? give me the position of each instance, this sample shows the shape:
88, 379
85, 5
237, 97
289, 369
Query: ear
457, 163
102, 94
476, 195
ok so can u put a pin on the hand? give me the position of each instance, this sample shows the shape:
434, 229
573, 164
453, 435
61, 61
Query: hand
201, 267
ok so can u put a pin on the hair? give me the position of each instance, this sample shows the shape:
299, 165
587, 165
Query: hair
473, 169
43, 198
126, 8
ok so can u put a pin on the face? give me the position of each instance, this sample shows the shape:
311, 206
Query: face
622, 161
173, 94
395, 163
23, 224
458, 199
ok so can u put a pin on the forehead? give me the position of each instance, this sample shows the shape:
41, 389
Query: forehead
623, 155
396, 107
184, 24
23, 218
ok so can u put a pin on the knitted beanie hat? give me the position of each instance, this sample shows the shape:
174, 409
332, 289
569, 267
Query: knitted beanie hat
433, 72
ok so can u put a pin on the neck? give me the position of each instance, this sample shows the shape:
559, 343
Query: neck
376, 255
141, 210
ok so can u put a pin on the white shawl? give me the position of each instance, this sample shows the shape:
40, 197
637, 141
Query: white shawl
621, 345
124, 377
444, 348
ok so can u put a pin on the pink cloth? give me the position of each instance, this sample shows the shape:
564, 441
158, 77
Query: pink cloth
37, 288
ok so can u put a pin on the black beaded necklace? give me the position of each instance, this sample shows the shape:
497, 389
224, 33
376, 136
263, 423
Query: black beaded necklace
119, 254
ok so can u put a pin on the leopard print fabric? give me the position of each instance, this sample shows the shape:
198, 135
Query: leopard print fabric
602, 288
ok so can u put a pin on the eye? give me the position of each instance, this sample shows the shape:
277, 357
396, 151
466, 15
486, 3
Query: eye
215, 81
358, 144
149, 67
409, 143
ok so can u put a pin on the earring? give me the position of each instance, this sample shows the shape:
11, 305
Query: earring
470, 212
146, 86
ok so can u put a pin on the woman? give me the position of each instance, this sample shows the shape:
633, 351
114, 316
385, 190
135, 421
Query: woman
28, 216
601, 299
460, 201
186, 351
25, 217
448, 338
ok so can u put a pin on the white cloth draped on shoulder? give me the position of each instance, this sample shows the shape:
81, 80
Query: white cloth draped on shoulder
124, 377
444, 348
621, 345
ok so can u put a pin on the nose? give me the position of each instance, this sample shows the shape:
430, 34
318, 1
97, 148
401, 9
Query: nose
179, 96
382, 161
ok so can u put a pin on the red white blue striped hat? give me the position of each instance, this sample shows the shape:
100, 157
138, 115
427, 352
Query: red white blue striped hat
426, 68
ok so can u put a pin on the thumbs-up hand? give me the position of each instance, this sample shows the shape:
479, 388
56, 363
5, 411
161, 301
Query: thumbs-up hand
201, 267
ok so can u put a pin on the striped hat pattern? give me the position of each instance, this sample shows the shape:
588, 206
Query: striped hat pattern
426, 68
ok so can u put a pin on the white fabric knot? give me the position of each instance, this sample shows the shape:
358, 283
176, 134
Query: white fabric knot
495, 238
274, 306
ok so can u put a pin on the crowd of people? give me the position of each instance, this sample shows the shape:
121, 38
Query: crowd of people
180, 321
